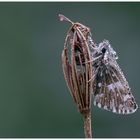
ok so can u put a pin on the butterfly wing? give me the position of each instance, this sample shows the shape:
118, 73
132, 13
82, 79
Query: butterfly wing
112, 91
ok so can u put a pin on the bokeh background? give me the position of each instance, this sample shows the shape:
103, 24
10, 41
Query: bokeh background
34, 99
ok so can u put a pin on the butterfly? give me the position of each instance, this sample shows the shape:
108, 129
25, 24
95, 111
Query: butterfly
110, 87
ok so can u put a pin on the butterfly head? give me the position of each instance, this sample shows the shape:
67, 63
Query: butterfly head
107, 51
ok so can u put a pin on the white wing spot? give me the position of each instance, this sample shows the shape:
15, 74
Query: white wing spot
114, 109
99, 105
128, 111
113, 75
94, 102
126, 97
120, 106
112, 86
106, 71
118, 84
119, 111
105, 107
101, 74
99, 84
123, 111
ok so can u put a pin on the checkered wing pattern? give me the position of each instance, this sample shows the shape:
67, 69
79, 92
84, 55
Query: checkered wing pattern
112, 91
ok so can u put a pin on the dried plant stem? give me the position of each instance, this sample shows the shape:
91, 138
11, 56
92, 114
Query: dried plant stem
87, 125
77, 69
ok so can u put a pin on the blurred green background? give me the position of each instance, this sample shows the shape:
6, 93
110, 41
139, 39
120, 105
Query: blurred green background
34, 99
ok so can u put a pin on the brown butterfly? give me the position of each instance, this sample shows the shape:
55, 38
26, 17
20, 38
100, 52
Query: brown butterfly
111, 90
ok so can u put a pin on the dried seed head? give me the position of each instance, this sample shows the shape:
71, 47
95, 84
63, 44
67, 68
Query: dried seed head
77, 65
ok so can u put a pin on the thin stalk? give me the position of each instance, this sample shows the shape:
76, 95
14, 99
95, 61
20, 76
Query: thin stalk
87, 125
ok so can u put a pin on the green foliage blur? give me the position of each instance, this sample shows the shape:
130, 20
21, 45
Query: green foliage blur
34, 99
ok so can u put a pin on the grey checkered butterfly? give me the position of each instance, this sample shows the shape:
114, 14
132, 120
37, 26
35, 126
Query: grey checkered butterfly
111, 90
